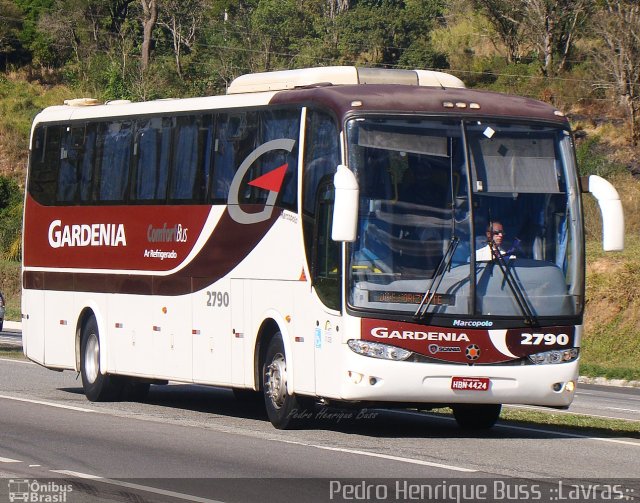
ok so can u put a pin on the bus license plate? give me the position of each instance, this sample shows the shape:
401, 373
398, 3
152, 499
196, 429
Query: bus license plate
470, 383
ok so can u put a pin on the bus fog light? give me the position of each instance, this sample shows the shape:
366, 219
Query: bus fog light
557, 387
356, 377
378, 350
570, 386
555, 356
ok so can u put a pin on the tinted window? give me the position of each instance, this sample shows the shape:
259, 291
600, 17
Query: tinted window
44, 163
117, 140
70, 159
185, 159
236, 139
153, 155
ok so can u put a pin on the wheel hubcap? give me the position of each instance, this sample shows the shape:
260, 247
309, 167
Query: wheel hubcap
276, 380
92, 358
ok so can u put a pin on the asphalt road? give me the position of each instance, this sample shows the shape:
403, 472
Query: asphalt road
609, 402
193, 443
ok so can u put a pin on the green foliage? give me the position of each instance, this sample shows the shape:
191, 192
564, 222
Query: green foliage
10, 284
10, 218
592, 159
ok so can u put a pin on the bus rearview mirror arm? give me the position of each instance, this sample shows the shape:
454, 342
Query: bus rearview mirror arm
610, 209
345, 208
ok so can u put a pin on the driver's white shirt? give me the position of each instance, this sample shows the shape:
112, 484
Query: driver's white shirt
485, 254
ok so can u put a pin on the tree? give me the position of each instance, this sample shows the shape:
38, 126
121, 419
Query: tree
9, 31
181, 18
618, 25
149, 20
280, 28
552, 27
506, 18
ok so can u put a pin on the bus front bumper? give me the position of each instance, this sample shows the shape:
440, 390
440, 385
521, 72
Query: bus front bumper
371, 379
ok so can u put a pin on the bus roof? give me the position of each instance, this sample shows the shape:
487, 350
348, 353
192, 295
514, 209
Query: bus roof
342, 89
339, 75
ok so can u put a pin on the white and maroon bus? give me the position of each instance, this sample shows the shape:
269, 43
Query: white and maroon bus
312, 235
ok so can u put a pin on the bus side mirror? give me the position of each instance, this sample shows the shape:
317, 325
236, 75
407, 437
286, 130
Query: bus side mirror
610, 209
345, 208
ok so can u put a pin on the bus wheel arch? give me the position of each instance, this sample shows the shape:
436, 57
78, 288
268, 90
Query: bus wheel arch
285, 410
84, 317
97, 384
268, 329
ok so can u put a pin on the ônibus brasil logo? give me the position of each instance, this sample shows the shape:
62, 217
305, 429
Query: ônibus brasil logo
271, 181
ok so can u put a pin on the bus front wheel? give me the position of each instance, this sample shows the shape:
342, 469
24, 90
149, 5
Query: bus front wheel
285, 411
97, 387
476, 417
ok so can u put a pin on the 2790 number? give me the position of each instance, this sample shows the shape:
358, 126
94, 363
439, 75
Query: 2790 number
217, 299
544, 339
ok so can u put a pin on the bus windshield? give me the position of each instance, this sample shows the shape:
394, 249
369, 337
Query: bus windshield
483, 216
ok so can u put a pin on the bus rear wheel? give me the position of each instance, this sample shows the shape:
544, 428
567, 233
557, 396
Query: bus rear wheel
98, 387
285, 411
476, 417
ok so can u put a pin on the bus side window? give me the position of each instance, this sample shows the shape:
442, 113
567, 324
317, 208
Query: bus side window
183, 183
44, 162
235, 140
70, 159
153, 146
115, 160
326, 257
87, 163
274, 125
206, 145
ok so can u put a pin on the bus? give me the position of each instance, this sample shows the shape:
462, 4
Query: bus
311, 235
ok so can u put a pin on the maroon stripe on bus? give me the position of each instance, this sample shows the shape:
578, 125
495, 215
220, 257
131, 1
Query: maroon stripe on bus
228, 245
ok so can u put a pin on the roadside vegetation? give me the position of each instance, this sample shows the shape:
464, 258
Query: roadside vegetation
583, 56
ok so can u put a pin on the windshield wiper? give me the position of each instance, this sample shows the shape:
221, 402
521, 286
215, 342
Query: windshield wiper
443, 265
518, 294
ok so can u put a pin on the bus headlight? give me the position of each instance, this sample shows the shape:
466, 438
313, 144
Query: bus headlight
378, 350
555, 356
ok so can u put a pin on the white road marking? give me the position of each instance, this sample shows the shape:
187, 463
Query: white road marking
9, 460
378, 455
138, 487
49, 404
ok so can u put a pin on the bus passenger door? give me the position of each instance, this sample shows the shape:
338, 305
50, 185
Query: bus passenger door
326, 275
211, 334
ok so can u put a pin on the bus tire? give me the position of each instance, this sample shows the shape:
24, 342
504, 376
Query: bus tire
97, 387
285, 411
476, 417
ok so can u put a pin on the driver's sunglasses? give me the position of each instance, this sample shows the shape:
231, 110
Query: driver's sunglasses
501, 232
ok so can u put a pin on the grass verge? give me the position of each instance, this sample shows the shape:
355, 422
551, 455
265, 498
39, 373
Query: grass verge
10, 352
582, 424
570, 423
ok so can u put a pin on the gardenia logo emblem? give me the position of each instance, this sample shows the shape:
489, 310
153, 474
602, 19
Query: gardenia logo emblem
384, 333
86, 235
271, 181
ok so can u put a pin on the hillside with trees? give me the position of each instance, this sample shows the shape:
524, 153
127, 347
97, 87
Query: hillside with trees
583, 56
